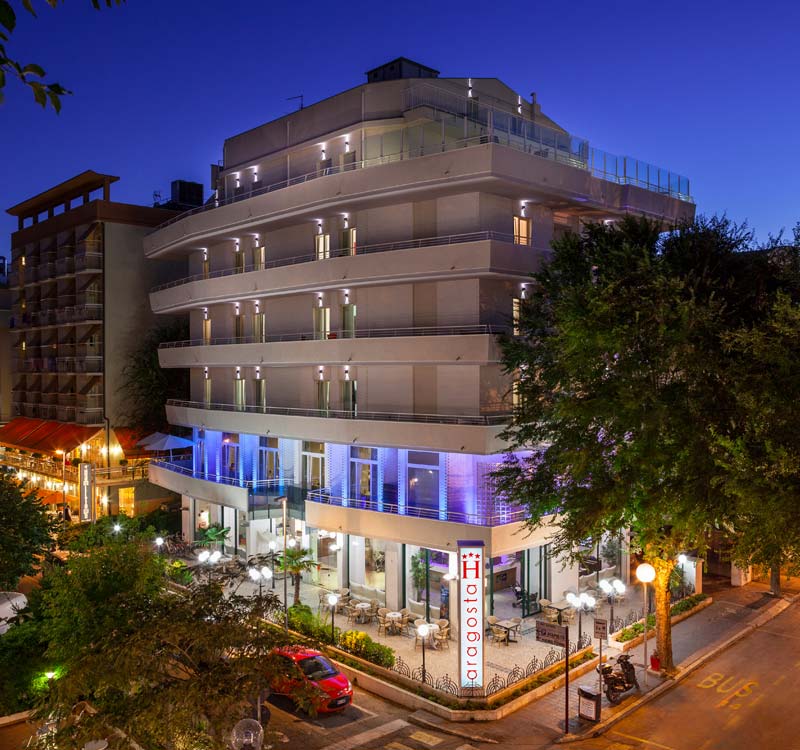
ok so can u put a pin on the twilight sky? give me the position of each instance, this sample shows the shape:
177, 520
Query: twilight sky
706, 89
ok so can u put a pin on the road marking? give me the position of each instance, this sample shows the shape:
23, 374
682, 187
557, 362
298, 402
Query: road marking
641, 739
430, 740
371, 734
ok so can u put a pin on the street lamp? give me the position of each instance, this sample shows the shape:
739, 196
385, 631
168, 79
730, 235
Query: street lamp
645, 573
63, 455
422, 631
259, 576
273, 545
209, 558
583, 603
612, 589
333, 600
117, 528
159, 540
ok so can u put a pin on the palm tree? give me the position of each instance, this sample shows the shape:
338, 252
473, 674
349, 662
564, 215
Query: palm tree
295, 562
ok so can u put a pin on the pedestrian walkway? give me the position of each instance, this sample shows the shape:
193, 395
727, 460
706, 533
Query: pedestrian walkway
731, 611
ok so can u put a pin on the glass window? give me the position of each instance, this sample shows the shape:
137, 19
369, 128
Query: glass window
322, 246
349, 241
426, 459
322, 322
127, 503
368, 453
522, 230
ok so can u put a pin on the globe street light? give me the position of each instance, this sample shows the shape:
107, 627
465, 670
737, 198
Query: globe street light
159, 540
645, 573
117, 528
583, 603
422, 631
209, 558
259, 576
612, 589
333, 600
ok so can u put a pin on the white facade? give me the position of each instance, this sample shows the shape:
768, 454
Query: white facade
347, 286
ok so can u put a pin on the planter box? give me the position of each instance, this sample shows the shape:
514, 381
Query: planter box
639, 639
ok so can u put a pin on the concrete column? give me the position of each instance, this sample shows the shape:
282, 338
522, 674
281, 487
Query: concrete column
357, 562
394, 576
106, 190
741, 576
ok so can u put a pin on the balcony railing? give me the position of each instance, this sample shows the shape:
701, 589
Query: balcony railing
184, 468
51, 468
88, 262
465, 330
498, 516
496, 418
381, 247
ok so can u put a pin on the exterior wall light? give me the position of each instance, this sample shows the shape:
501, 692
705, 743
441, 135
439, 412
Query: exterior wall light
347, 373
469, 88
347, 146
519, 104
321, 373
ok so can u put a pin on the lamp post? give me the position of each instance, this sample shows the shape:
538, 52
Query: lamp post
333, 600
273, 545
159, 542
612, 589
583, 603
422, 631
645, 573
209, 558
259, 576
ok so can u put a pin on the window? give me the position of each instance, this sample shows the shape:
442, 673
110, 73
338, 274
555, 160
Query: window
515, 308
322, 246
239, 394
238, 326
423, 484
207, 331
230, 456
349, 241
259, 257
349, 390
260, 391
127, 503
238, 260
269, 463
259, 328
522, 230
313, 464
323, 395
207, 391
322, 322
516, 393
348, 321
363, 474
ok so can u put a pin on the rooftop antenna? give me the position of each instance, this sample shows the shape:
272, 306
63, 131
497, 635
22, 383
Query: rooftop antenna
156, 196
299, 96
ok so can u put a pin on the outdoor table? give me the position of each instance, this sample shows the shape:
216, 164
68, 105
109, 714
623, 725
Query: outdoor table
394, 619
560, 607
509, 626
362, 608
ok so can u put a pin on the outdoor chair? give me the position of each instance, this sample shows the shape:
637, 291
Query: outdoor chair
517, 625
405, 623
352, 614
499, 635
443, 624
490, 621
382, 622
443, 636
551, 614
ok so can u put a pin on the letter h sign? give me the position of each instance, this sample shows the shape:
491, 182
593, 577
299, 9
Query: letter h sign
470, 609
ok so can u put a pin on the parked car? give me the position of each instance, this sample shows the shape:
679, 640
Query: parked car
336, 690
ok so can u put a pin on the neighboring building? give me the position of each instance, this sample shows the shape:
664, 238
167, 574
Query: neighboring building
5, 345
346, 287
79, 289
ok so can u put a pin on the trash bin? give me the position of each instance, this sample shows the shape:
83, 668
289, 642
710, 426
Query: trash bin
589, 703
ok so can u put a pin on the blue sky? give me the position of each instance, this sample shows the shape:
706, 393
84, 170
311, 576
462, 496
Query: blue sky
707, 89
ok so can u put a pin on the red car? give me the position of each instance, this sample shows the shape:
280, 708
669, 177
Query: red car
335, 688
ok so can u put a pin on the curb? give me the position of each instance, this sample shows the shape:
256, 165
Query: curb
428, 724
18, 718
704, 656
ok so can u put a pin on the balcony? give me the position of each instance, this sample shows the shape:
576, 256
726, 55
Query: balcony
65, 266
50, 468
470, 255
468, 344
445, 432
233, 492
66, 399
92, 415
89, 262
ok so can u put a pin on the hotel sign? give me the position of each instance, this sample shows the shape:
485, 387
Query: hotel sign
86, 490
471, 604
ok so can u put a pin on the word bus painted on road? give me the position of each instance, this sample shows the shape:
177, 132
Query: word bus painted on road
470, 601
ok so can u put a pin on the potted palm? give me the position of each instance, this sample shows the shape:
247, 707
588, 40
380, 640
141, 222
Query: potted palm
296, 561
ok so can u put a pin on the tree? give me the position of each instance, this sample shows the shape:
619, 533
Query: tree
172, 669
146, 386
31, 74
296, 561
762, 462
26, 530
620, 371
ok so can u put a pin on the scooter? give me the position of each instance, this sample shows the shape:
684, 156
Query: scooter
618, 681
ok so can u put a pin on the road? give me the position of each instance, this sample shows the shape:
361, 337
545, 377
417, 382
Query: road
744, 699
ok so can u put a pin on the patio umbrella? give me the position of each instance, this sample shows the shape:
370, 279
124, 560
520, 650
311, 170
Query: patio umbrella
169, 443
145, 441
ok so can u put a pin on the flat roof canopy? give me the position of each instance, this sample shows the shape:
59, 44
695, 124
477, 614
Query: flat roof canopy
75, 187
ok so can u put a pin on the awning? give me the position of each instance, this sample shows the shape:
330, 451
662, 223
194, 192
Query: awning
44, 436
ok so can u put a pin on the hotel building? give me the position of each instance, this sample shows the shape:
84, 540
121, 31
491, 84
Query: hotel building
74, 250
345, 292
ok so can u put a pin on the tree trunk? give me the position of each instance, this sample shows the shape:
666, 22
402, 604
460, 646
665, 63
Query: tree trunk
662, 608
297, 578
775, 580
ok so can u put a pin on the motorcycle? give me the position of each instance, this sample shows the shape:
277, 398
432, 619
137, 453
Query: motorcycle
522, 598
618, 681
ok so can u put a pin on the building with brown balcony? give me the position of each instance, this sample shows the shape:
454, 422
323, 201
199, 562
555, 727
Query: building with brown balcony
79, 285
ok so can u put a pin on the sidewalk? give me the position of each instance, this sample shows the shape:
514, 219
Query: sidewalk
731, 612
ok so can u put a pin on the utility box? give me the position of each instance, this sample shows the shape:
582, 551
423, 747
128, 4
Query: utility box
589, 704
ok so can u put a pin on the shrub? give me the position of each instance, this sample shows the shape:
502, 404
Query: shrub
304, 621
360, 644
684, 605
179, 572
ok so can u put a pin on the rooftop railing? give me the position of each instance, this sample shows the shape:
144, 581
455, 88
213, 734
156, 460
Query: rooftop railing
501, 128
185, 468
380, 247
494, 418
463, 330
